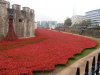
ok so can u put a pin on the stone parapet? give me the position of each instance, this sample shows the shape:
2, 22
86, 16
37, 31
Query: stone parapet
7, 4
16, 7
32, 10
27, 9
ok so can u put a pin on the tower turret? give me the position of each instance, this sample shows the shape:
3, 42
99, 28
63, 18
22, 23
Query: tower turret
3, 16
16, 6
27, 9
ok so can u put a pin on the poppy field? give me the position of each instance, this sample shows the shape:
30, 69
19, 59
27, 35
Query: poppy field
40, 53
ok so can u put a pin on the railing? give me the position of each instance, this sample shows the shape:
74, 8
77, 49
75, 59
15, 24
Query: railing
95, 69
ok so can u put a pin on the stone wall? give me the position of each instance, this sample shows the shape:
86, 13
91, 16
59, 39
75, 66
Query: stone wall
24, 22
87, 32
3, 17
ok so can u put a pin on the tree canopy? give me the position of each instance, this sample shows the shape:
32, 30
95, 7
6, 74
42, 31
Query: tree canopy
84, 24
67, 22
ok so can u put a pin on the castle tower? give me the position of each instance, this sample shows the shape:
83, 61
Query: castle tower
18, 24
3, 17
23, 20
32, 16
28, 22
16, 6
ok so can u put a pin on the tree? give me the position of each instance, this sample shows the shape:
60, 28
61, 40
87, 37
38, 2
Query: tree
85, 23
88, 22
67, 22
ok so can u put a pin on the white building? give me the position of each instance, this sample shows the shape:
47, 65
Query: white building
77, 19
94, 16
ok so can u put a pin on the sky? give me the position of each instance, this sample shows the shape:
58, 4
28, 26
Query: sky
58, 10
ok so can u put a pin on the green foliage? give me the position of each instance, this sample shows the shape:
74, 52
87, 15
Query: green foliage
84, 23
1, 36
67, 22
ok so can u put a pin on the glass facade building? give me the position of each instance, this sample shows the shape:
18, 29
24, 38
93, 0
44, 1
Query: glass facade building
94, 16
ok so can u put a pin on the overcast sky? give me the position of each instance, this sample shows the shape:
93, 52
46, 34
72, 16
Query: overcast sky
58, 10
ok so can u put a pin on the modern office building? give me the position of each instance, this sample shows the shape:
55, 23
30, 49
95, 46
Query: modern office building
60, 24
94, 16
44, 24
52, 24
47, 24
